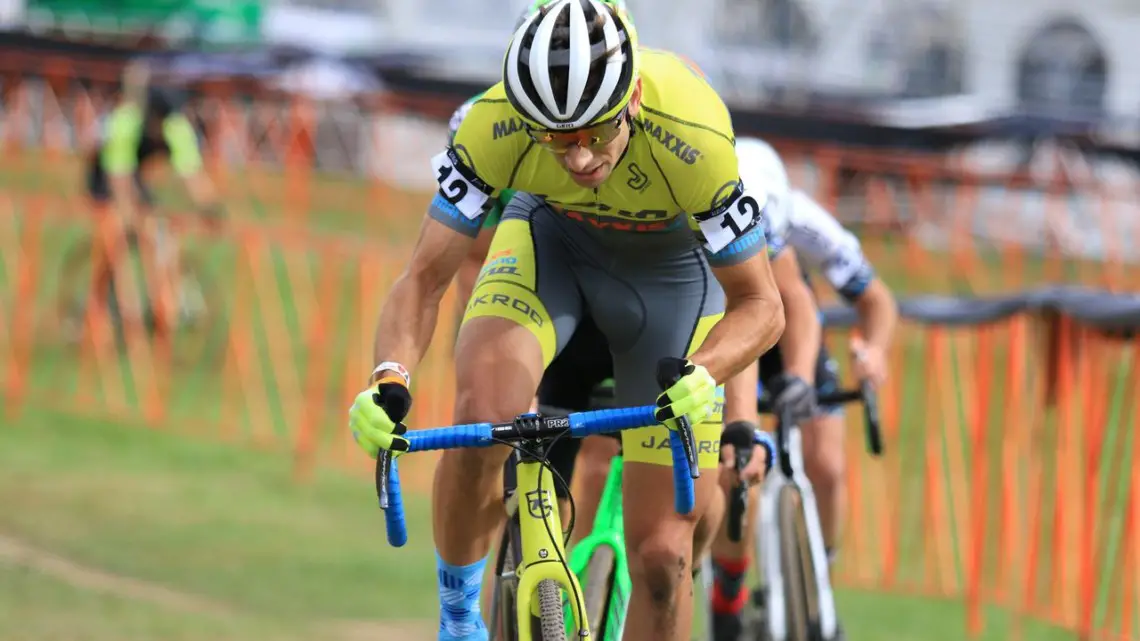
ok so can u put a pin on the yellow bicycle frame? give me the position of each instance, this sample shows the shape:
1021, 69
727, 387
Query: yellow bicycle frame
538, 517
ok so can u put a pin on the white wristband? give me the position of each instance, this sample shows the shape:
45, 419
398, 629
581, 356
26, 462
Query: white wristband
395, 367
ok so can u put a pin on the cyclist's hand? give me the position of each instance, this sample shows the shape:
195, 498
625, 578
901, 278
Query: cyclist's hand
750, 474
743, 434
690, 391
794, 397
757, 467
870, 362
375, 416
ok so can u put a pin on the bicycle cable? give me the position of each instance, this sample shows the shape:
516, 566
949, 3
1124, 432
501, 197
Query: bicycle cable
578, 605
544, 462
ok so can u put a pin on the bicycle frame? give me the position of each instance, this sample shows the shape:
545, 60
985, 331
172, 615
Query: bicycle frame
608, 530
542, 553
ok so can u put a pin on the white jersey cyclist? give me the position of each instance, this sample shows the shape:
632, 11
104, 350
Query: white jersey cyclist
797, 220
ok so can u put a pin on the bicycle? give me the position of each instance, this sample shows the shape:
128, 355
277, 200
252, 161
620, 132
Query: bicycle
88, 277
536, 550
793, 600
599, 560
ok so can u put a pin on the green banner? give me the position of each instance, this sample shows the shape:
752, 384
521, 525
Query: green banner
208, 21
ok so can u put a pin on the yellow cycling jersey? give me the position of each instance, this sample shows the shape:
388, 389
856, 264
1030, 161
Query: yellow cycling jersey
680, 165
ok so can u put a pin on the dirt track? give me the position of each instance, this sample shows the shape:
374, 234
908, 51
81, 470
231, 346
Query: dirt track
14, 552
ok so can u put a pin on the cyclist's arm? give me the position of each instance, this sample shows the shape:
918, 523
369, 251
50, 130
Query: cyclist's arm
753, 318
734, 240
408, 317
733, 236
472, 264
455, 216
878, 314
827, 245
799, 345
186, 160
740, 395
118, 156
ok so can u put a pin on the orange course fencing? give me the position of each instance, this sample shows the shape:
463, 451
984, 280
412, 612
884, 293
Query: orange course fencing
1010, 475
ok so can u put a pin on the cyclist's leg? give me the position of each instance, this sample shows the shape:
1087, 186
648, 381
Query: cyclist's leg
568, 384
111, 236
160, 249
711, 522
508, 336
103, 241
665, 309
825, 460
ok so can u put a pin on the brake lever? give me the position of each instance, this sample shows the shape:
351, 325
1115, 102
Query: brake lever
689, 443
383, 468
871, 417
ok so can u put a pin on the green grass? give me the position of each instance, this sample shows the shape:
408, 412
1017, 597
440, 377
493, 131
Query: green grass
220, 522
227, 525
35, 607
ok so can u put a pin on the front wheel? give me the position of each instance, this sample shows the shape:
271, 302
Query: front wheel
599, 587
552, 620
198, 322
800, 592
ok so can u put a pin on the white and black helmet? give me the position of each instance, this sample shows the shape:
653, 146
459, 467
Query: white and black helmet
571, 64
762, 168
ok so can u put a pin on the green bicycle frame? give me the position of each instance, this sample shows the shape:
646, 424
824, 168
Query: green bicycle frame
608, 530
542, 553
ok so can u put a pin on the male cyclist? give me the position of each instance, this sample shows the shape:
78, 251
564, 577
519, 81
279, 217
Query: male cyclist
824, 245
633, 208
583, 370
148, 124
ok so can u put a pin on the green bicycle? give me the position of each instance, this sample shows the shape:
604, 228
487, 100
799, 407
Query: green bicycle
599, 560
600, 563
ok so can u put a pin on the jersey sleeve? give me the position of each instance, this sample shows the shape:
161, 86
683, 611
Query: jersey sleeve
727, 211
822, 243
476, 166
119, 155
185, 156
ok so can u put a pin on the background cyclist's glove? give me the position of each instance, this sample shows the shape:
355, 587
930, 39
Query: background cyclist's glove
375, 416
794, 398
739, 437
689, 391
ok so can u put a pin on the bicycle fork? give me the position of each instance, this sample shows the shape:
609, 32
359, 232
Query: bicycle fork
543, 556
768, 542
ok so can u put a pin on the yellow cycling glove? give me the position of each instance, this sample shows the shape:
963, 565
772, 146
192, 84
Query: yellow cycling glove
375, 416
690, 391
